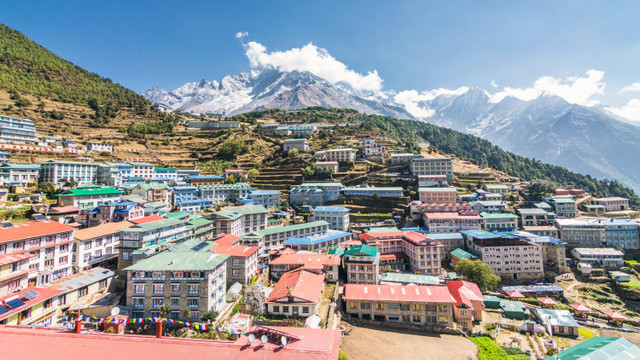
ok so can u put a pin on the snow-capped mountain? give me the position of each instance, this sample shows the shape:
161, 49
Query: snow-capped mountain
269, 88
583, 139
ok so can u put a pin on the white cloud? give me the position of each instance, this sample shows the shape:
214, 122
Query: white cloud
631, 111
494, 84
574, 89
316, 60
635, 87
410, 99
241, 34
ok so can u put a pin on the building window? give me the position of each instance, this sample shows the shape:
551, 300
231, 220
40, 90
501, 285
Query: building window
285, 309
175, 301
62, 299
175, 288
276, 308
193, 288
102, 284
193, 302
138, 288
305, 309
158, 288
417, 318
174, 315
83, 291
138, 302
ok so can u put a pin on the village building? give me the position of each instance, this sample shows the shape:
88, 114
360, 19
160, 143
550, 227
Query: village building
383, 192
270, 199
599, 347
14, 271
458, 255
328, 166
141, 169
241, 220
362, 263
432, 166
336, 216
621, 233
50, 245
17, 131
223, 193
183, 278
407, 251
600, 257
612, 203
97, 245
237, 173
165, 174
339, 155
510, 256
533, 217
448, 222
329, 265
88, 197
99, 147
319, 243
416, 305
242, 263
499, 221
297, 293
468, 306
302, 145
199, 180
497, 189
432, 180
489, 206
114, 211
396, 278
19, 174
30, 306
561, 321
438, 195
402, 158
274, 237
564, 207
153, 192
449, 241
545, 230
53, 171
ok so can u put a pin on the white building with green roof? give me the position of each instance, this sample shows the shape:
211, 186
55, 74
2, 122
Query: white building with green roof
24, 174
88, 197
151, 234
274, 237
241, 220
362, 263
220, 193
54, 171
499, 221
186, 277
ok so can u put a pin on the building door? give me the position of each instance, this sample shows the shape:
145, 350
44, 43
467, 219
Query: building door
294, 309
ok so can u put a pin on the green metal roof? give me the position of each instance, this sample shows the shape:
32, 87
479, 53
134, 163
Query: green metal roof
362, 250
512, 306
557, 317
600, 348
154, 225
562, 200
280, 229
336, 251
179, 261
461, 254
238, 211
409, 278
20, 166
96, 191
177, 215
381, 229
486, 215
200, 222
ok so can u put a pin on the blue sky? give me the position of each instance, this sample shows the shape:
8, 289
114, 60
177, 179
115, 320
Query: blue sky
411, 44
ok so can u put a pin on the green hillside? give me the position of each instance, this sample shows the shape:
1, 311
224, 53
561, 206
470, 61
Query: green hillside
27, 67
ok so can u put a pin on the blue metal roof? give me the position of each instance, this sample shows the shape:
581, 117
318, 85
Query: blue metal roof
445, 236
329, 235
332, 209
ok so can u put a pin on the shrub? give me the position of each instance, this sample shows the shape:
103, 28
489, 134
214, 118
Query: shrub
489, 350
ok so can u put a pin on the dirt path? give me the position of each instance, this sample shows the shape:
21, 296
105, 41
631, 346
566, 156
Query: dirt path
383, 344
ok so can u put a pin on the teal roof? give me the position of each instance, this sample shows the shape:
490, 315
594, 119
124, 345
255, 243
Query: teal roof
154, 225
91, 191
181, 260
336, 251
556, 317
362, 250
562, 200
20, 166
177, 215
461, 254
536, 211
486, 215
280, 229
381, 229
600, 348
238, 211
512, 306
199, 222
409, 278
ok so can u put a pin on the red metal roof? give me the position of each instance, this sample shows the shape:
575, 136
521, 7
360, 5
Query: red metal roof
547, 301
43, 294
28, 344
226, 239
299, 283
100, 230
580, 308
309, 261
614, 315
32, 229
64, 209
11, 258
432, 294
464, 292
147, 219
235, 250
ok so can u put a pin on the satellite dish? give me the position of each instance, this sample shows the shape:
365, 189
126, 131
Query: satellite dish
252, 338
283, 341
264, 339
115, 311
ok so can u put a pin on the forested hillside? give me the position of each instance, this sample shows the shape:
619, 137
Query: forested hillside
485, 154
27, 67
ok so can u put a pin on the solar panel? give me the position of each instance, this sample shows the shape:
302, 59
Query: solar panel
14, 303
3, 310
200, 246
30, 294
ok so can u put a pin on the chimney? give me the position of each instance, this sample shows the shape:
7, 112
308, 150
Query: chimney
78, 328
159, 328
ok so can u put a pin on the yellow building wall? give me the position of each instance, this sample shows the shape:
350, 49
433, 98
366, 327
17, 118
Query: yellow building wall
5, 269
